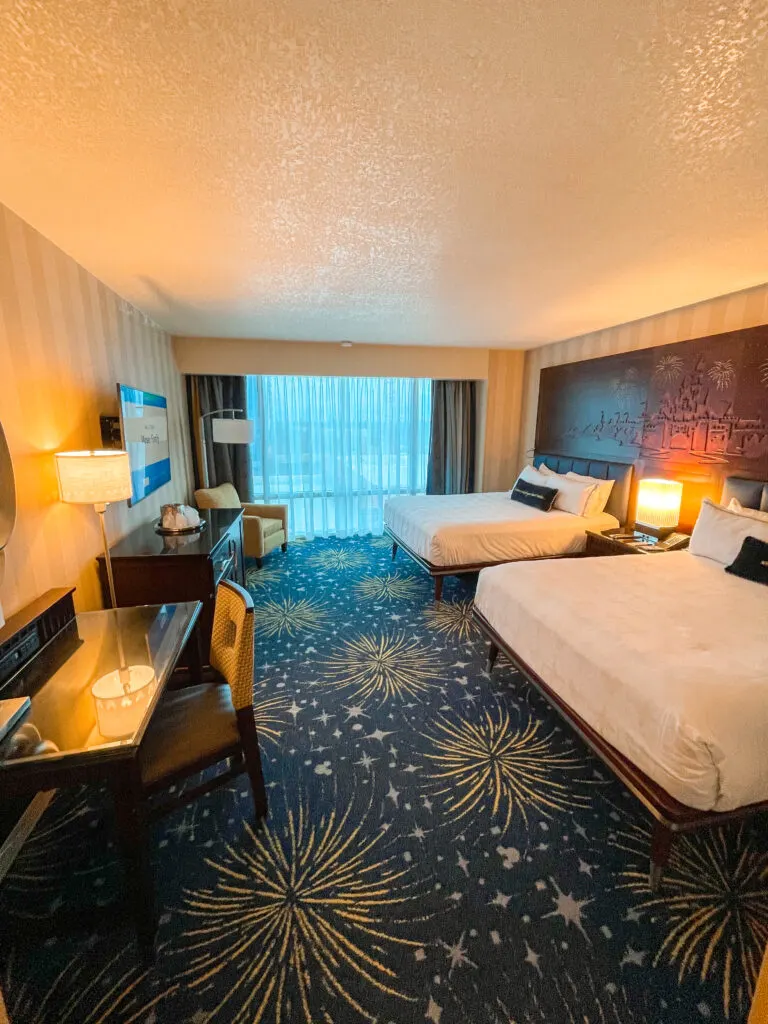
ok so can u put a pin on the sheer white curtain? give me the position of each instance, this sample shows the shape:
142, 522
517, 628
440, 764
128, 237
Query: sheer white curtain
334, 448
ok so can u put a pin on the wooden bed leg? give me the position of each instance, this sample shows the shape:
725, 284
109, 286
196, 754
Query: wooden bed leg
493, 653
394, 549
661, 844
438, 588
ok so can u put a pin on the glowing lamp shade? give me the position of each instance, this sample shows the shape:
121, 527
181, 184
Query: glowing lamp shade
235, 431
122, 698
658, 504
93, 478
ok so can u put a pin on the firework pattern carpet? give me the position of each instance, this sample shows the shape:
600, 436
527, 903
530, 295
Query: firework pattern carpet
439, 848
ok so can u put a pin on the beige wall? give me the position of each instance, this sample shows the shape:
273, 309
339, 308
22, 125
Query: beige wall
65, 340
726, 313
500, 399
328, 359
502, 419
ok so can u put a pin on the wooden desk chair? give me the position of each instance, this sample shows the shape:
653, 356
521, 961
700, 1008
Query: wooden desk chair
201, 725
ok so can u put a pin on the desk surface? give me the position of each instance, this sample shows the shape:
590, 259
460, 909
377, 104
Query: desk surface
66, 721
144, 540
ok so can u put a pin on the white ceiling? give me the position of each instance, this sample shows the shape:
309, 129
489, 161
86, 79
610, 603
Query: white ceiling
496, 172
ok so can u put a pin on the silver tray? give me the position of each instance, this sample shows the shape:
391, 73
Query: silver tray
159, 528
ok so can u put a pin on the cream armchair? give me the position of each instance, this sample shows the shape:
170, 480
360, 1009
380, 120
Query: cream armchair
265, 527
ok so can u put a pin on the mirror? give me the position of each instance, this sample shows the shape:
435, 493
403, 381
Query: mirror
7, 492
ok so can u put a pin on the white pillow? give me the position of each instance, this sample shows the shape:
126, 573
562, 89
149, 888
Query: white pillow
573, 496
719, 532
734, 505
599, 499
533, 476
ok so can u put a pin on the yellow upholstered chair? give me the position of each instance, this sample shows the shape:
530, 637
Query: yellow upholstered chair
265, 527
199, 725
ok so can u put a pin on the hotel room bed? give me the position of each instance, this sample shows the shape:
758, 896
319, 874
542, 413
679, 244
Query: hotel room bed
664, 671
460, 533
464, 529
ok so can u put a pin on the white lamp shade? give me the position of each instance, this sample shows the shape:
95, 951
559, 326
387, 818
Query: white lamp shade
233, 431
93, 478
122, 699
658, 503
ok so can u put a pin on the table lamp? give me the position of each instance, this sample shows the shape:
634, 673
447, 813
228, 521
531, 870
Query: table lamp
121, 698
95, 478
658, 506
98, 478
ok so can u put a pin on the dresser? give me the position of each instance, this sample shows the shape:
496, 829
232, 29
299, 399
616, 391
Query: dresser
153, 569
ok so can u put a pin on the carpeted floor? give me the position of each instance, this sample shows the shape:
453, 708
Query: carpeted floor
439, 848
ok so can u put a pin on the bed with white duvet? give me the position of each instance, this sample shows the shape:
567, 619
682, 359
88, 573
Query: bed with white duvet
659, 661
664, 655
460, 533
471, 529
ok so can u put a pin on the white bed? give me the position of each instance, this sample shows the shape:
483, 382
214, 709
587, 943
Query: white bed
664, 655
473, 529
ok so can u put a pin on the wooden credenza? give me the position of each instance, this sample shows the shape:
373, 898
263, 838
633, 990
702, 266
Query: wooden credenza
154, 569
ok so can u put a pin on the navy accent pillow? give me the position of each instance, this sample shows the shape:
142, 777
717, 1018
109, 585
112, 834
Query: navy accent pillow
535, 495
751, 563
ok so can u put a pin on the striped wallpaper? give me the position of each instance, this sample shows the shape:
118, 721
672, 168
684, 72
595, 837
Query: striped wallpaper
502, 419
716, 316
65, 340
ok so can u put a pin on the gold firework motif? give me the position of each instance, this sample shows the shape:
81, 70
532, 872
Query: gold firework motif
337, 558
391, 587
509, 767
383, 666
289, 909
668, 369
714, 905
115, 991
273, 618
723, 373
271, 713
255, 579
454, 618
380, 542
39, 865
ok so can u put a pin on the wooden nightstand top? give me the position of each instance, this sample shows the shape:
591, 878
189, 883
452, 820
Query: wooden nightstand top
619, 542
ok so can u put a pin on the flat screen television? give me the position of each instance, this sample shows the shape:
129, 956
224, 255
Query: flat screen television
144, 426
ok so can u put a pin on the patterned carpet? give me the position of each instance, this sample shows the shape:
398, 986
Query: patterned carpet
439, 848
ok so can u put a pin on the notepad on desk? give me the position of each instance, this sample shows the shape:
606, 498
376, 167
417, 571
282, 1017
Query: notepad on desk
11, 713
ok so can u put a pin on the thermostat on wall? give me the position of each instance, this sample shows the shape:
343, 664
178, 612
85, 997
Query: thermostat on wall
111, 435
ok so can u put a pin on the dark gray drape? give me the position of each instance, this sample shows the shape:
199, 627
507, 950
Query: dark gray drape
227, 463
451, 466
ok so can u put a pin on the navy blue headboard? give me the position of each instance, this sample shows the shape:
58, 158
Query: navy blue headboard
751, 493
621, 472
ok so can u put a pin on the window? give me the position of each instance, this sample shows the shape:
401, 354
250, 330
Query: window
334, 448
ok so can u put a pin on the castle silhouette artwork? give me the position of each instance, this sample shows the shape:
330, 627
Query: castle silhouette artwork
703, 402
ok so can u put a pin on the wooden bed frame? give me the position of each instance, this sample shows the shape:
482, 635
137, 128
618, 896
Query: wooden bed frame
670, 816
618, 505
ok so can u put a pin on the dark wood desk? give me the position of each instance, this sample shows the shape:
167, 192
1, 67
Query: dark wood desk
63, 742
150, 568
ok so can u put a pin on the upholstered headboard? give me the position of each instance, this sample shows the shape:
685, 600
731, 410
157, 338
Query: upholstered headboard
621, 472
751, 493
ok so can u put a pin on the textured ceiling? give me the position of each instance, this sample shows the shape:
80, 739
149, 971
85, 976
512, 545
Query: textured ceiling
499, 172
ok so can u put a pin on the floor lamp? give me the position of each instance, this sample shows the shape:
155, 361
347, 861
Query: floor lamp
99, 478
224, 431
95, 478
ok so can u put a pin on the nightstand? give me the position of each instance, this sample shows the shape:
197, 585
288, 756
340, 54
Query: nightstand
621, 542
